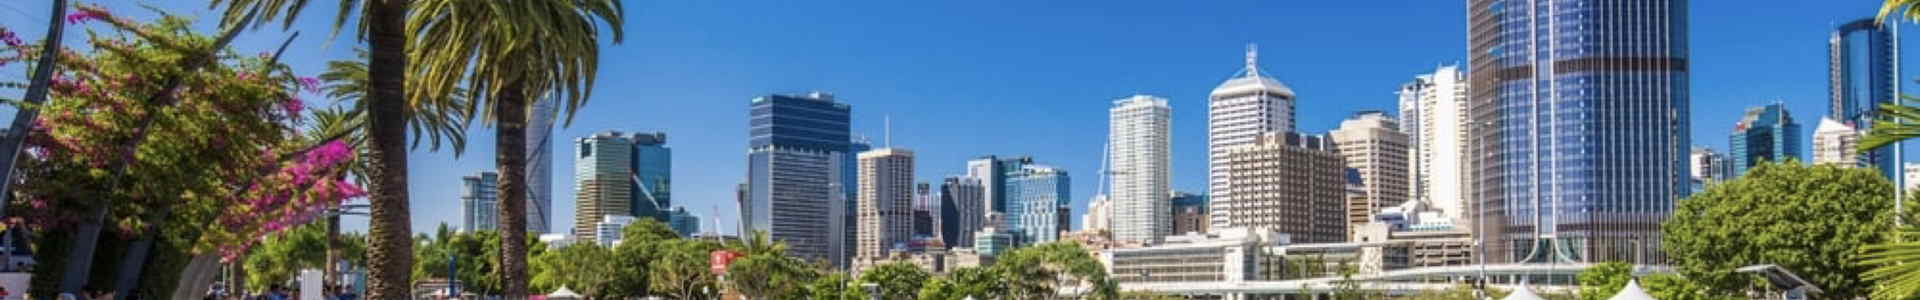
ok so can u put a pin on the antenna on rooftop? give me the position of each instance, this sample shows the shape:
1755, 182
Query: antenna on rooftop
888, 123
1253, 59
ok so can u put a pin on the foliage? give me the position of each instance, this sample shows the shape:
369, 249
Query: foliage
835, 286
282, 256
1809, 219
429, 121
1040, 270
1348, 289
763, 275
1457, 292
581, 266
1148, 295
499, 50
1674, 287
681, 270
470, 252
897, 280
1601, 281
977, 282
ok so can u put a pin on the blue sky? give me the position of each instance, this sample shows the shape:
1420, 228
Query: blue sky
967, 78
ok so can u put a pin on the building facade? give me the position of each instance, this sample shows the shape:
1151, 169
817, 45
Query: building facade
1765, 133
1587, 143
1289, 183
993, 172
1226, 256
608, 230
683, 222
1373, 146
1863, 73
652, 176
796, 158
1190, 213
603, 186
962, 210
1099, 214
1142, 168
1239, 111
1834, 143
479, 201
886, 201
1433, 114
1034, 196
540, 165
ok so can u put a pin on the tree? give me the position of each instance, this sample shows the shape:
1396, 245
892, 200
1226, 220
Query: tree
470, 252
582, 267
1675, 287
835, 286
976, 282
383, 27
641, 245
681, 270
1038, 271
1809, 219
759, 276
1348, 289
1895, 262
897, 280
283, 255
1148, 295
511, 53
1601, 281
1457, 292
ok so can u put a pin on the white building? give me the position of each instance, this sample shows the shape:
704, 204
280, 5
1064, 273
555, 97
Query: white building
1239, 111
1703, 160
1142, 168
607, 231
1913, 175
1099, 214
1371, 143
1834, 143
1433, 112
886, 201
1225, 255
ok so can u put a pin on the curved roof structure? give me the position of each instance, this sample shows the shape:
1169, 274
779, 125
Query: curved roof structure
1632, 292
1250, 80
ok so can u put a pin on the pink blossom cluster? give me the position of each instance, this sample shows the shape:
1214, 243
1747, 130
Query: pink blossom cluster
298, 192
85, 14
12, 40
311, 84
293, 106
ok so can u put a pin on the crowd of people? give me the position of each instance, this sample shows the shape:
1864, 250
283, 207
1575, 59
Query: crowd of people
278, 292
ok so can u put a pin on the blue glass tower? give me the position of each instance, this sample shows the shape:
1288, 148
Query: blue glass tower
652, 176
1579, 117
1034, 195
1765, 133
1863, 70
797, 157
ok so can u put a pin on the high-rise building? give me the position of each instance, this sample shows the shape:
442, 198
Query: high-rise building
603, 180
479, 201
1289, 183
1372, 144
652, 176
850, 223
1238, 112
1765, 133
1190, 213
886, 201
1142, 170
1433, 114
1705, 167
962, 209
1863, 73
608, 230
1099, 214
540, 165
1587, 143
992, 171
1912, 173
796, 174
922, 210
1834, 143
683, 222
1034, 196
1359, 206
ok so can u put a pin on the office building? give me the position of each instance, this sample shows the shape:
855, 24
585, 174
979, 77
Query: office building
992, 172
1142, 169
991, 240
796, 174
923, 220
479, 201
1586, 151
962, 210
1764, 134
603, 180
1239, 111
683, 221
1289, 183
1225, 256
652, 176
608, 231
1034, 196
1835, 142
1912, 173
1703, 160
540, 165
1373, 146
886, 201
1433, 114
1864, 73
1190, 213
1099, 214
1359, 207
850, 223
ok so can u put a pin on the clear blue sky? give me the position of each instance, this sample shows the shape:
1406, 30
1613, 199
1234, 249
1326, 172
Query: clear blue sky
967, 78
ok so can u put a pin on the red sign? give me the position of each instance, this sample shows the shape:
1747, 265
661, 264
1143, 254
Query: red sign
720, 259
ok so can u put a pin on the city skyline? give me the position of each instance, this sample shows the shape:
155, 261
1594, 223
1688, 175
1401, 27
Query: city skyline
644, 88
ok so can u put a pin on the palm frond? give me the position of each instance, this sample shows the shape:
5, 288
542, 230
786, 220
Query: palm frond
1896, 265
535, 48
429, 121
1893, 124
285, 11
1899, 9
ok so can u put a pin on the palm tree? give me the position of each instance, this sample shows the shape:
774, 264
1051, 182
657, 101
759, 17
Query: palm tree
508, 53
1896, 262
382, 25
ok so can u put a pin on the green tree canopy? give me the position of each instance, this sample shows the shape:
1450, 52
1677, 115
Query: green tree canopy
1809, 219
897, 280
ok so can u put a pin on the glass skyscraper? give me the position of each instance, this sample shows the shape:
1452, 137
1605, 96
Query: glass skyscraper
1579, 114
540, 165
1034, 195
797, 157
1765, 133
479, 200
652, 176
1863, 70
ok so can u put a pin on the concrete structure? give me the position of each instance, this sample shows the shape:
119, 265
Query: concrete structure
1913, 176
850, 223
1238, 111
1704, 166
479, 201
603, 181
540, 165
1583, 149
886, 201
1227, 255
923, 220
1359, 207
1190, 213
992, 241
937, 263
992, 172
683, 221
1035, 195
1372, 144
607, 232
1099, 214
652, 176
1433, 114
1141, 135
1864, 73
1834, 143
1289, 183
797, 164
1765, 133
557, 240
962, 210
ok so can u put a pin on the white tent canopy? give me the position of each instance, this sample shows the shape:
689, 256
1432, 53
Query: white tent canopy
563, 293
1522, 293
1632, 292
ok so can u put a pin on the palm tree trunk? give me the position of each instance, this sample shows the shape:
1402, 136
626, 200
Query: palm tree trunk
510, 149
390, 251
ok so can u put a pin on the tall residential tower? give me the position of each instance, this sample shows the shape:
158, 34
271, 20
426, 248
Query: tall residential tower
1139, 129
1238, 111
1863, 72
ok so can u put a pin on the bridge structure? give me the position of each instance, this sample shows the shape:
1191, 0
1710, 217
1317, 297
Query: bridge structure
1540, 277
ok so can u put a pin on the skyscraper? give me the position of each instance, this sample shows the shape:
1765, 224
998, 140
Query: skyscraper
1372, 145
1189, 213
1433, 113
1099, 215
1139, 130
886, 201
1289, 183
479, 201
683, 221
1239, 111
1765, 133
603, 181
540, 165
1034, 196
1587, 143
1834, 143
652, 176
962, 210
849, 220
992, 171
1705, 167
1863, 73
796, 157
922, 210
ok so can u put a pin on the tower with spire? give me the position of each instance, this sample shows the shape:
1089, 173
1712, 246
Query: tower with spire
1238, 112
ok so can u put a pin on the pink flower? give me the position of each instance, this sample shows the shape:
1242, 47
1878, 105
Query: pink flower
84, 15
349, 190
245, 76
293, 106
10, 39
310, 83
